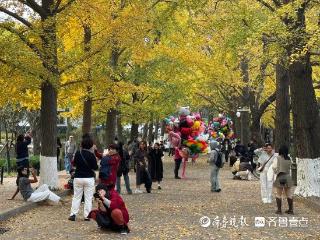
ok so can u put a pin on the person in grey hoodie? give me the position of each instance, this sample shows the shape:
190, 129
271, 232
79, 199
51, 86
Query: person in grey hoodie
214, 177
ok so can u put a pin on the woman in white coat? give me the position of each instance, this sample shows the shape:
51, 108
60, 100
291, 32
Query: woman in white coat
266, 156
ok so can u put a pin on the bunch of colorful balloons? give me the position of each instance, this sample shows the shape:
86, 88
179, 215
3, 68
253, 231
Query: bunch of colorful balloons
196, 146
221, 127
191, 129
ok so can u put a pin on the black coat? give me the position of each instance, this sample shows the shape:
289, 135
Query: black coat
155, 165
124, 164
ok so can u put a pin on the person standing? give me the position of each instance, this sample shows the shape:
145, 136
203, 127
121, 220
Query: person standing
109, 166
155, 164
59, 146
22, 152
213, 159
84, 178
251, 148
226, 148
123, 168
70, 150
283, 183
266, 156
177, 162
140, 162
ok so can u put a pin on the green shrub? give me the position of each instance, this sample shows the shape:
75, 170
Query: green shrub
34, 161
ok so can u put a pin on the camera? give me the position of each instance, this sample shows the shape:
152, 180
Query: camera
97, 196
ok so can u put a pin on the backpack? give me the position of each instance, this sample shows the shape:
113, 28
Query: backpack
219, 161
105, 168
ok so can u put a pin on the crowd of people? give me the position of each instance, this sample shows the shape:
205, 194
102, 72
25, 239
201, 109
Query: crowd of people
114, 162
273, 168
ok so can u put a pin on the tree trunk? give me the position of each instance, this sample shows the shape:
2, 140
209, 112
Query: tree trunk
245, 125
306, 122
111, 126
163, 128
256, 130
48, 113
282, 123
145, 132
150, 131
120, 128
48, 121
87, 105
305, 110
134, 130
87, 112
157, 126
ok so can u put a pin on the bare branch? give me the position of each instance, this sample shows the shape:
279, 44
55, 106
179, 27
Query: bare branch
16, 16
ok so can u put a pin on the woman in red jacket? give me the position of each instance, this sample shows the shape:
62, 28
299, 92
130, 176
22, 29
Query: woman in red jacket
109, 166
112, 212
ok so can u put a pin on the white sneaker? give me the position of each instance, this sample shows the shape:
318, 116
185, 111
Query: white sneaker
137, 191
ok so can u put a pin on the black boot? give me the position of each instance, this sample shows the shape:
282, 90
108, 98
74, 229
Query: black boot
290, 203
278, 200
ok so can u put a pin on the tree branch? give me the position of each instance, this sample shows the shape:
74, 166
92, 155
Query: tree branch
20, 67
16, 16
24, 39
267, 5
85, 57
65, 6
35, 7
266, 103
71, 83
57, 6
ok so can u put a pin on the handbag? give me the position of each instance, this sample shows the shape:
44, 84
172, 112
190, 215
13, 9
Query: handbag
261, 168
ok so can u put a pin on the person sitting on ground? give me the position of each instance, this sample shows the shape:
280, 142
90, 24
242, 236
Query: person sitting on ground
42, 193
112, 212
235, 168
245, 170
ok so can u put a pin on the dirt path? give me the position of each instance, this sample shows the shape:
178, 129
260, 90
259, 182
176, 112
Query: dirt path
174, 213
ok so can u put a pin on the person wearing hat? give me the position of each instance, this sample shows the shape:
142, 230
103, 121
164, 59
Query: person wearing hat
112, 212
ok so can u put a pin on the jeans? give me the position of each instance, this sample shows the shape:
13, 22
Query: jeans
177, 166
215, 184
126, 181
67, 162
